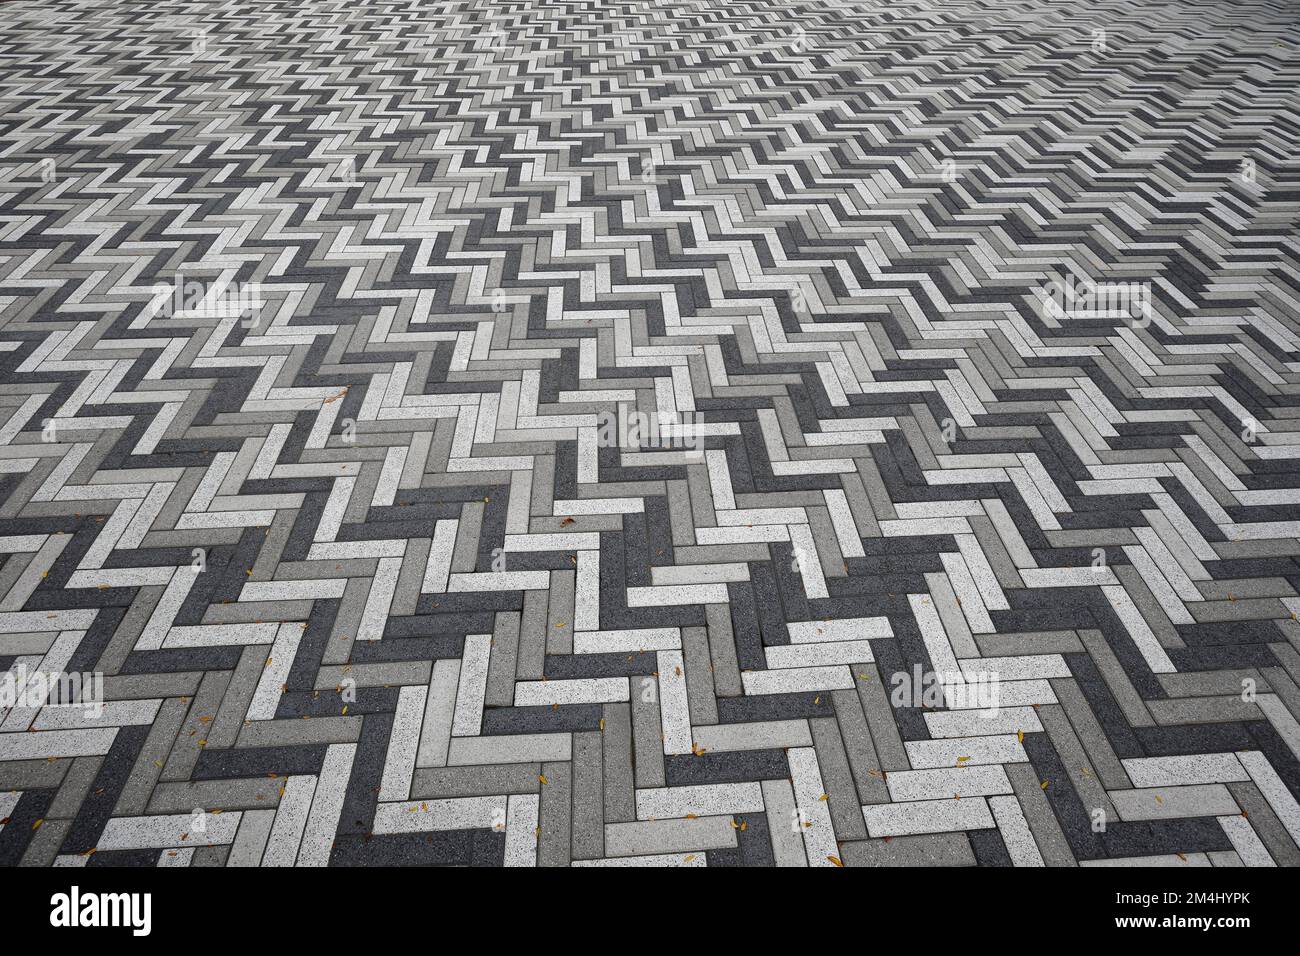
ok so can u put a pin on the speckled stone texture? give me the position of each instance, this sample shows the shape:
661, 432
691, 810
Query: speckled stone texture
584, 432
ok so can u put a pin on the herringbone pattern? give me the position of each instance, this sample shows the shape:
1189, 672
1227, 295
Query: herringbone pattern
584, 431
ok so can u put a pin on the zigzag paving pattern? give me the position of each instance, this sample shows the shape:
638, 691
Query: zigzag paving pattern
589, 432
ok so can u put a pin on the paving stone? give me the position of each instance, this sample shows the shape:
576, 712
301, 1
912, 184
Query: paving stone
406, 505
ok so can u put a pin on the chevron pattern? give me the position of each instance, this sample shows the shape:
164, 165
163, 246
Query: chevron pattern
601, 432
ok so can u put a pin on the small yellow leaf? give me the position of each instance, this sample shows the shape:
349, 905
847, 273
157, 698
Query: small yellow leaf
836, 860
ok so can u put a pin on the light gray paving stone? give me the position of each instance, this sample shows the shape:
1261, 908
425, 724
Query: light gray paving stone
513, 748
1185, 770
1164, 860
266, 697
701, 800
646, 837
439, 714
794, 680
1016, 835
927, 816
168, 830
461, 813
399, 762
290, 821
521, 830
674, 709
56, 743
811, 803
1250, 849
326, 806
965, 752
651, 860
595, 690
948, 783
470, 693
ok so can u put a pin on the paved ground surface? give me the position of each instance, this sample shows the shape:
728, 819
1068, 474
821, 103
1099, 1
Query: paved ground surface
313, 317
